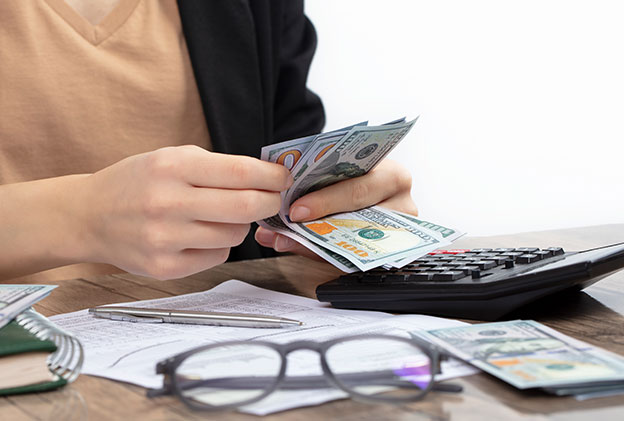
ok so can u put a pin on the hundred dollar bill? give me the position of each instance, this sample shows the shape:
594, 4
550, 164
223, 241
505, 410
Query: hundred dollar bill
444, 234
289, 152
338, 156
276, 224
320, 160
369, 237
528, 354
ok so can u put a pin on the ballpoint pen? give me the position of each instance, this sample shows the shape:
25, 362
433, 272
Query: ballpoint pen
156, 315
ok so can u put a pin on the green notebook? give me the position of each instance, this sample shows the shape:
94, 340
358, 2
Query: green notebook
23, 362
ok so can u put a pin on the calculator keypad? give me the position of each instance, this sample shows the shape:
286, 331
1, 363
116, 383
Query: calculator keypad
454, 265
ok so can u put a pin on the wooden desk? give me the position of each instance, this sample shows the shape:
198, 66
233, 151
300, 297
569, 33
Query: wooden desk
595, 315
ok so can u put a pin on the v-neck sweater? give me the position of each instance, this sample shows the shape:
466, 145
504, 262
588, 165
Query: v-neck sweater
77, 97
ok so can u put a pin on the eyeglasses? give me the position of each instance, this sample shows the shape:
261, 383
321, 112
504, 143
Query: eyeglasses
372, 368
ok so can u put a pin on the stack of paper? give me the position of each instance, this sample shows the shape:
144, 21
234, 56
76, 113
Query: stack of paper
129, 352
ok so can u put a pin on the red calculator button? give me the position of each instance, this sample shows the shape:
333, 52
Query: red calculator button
456, 251
433, 253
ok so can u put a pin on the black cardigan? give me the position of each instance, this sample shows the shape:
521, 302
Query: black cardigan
251, 60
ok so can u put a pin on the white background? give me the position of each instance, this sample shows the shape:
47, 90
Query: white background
521, 103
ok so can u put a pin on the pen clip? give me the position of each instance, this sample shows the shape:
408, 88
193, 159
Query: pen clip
129, 318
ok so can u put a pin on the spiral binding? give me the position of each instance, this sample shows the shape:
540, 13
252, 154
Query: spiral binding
67, 360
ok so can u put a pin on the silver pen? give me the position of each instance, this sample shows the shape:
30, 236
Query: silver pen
157, 315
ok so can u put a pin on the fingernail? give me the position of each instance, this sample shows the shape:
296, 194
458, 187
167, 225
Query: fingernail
299, 213
265, 237
283, 243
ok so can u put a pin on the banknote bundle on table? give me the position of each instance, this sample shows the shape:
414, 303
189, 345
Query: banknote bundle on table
527, 354
362, 239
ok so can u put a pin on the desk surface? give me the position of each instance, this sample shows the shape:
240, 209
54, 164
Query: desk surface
595, 315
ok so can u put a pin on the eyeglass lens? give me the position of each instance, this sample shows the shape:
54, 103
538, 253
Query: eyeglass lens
228, 375
383, 367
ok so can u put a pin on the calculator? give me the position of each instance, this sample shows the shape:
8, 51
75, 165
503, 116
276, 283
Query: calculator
482, 284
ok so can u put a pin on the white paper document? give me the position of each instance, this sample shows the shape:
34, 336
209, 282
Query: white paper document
129, 352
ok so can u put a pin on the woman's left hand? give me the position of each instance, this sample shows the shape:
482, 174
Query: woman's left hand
387, 185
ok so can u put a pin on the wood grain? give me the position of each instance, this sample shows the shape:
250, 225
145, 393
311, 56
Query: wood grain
595, 315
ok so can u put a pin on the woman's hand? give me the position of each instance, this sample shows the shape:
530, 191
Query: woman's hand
387, 185
178, 210
165, 214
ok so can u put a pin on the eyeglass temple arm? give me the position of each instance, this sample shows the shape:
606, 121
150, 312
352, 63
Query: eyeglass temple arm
379, 378
385, 378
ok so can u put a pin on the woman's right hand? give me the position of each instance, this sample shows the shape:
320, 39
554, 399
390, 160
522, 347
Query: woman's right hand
175, 211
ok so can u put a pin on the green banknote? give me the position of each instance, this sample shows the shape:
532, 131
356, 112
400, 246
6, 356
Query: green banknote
277, 225
528, 354
340, 156
363, 239
289, 153
445, 233
369, 237
446, 236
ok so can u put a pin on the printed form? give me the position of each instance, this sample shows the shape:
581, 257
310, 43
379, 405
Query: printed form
128, 352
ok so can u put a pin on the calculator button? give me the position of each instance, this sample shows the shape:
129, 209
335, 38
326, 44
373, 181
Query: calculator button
443, 268
509, 264
429, 265
527, 258
462, 255
482, 255
499, 260
452, 264
527, 250
483, 264
476, 274
513, 255
419, 277
466, 269
439, 269
543, 254
471, 259
412, 269
455, 251
557, 251
502, 250
451, 275
480, 250
432, 258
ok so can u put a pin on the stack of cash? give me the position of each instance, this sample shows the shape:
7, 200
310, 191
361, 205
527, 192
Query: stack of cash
527, 354
362, 239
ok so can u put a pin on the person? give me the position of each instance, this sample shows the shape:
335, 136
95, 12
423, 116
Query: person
130, 130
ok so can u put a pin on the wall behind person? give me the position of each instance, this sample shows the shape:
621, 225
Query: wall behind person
521, 103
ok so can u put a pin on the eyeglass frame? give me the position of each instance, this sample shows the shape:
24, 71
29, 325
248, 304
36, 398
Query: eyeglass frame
169, 366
